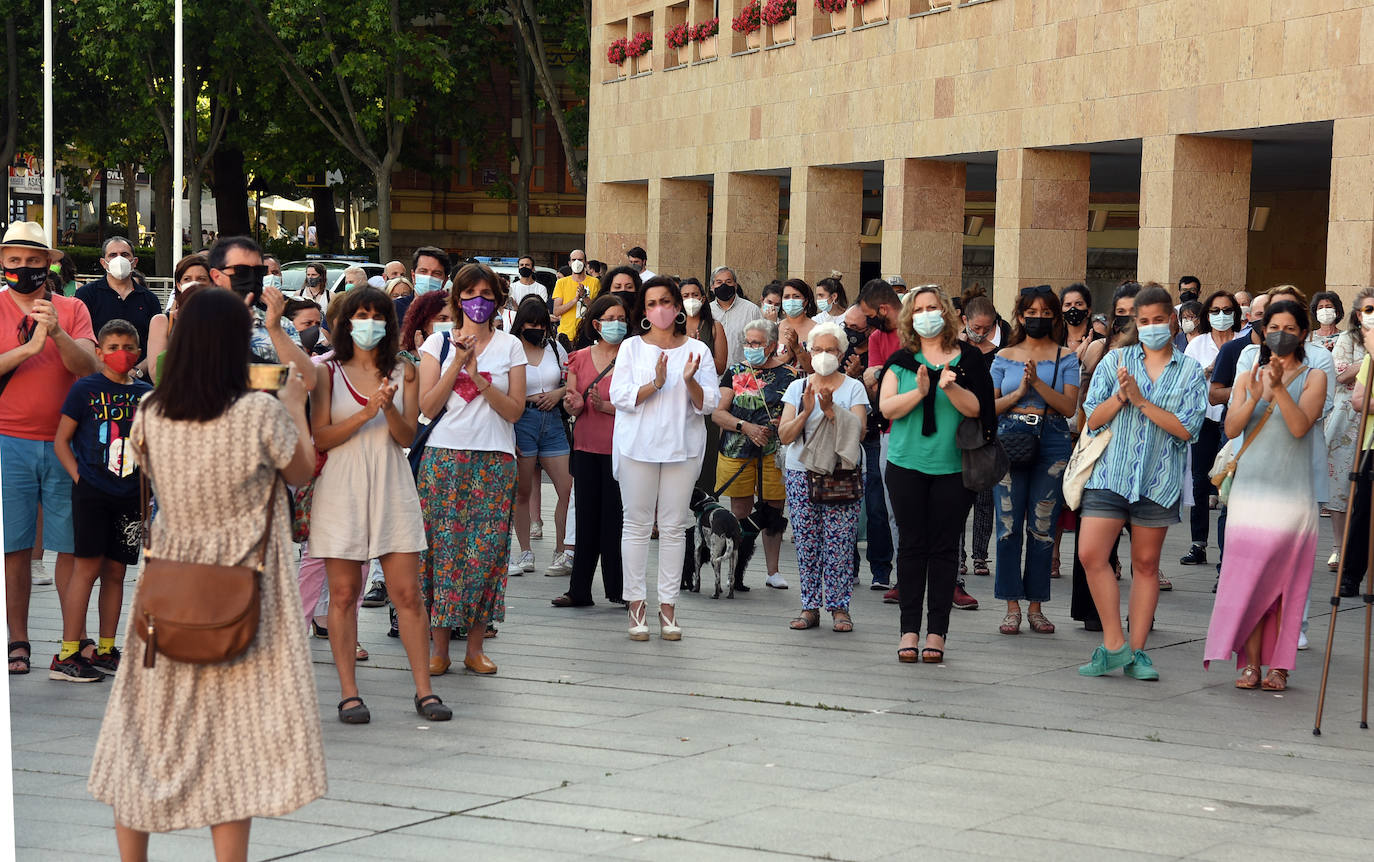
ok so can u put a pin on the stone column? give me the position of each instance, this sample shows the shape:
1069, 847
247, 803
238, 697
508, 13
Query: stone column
744, 229
1350, 227
676, 227
824, 223
1194, 211
923, 221
1042, 221
616, 219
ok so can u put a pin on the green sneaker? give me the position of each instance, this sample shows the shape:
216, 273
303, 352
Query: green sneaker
1141, 667
1105, 661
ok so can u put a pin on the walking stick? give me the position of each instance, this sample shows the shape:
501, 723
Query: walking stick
1369, 569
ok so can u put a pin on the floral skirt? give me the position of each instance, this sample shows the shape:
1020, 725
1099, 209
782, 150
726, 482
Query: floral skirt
467, 499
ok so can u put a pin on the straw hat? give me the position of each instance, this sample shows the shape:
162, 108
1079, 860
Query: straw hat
29, 234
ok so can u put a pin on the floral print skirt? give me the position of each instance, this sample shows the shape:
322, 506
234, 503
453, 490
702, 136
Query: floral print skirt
467, 498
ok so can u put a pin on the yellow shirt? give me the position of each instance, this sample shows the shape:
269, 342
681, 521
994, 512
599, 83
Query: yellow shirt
1368, 441
564, 291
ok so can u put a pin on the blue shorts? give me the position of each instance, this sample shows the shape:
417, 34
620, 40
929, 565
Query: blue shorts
540, 432
1141, 513
30, 477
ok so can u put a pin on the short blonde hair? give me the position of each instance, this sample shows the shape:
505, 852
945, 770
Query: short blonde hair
949, 336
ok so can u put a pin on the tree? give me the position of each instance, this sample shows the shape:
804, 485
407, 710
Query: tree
527, 23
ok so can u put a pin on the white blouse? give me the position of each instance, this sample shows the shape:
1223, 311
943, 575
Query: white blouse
666, 427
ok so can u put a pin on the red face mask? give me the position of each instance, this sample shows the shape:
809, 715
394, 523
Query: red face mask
120, 361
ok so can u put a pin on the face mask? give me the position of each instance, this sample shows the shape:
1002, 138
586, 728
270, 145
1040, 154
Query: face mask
973, 337
526, 272
825, 364
426, 283
367, 334
692, 306
878, 322
1187, 296
119, 268
637, 267
120, 361
1155, 335
1326, 316
1075, 316
613, 331
793, 307
1281, 343
1037, 327
1245, 312
181, 288
770, 311
723, 292
242, 282
855, 337
533, 336
1367, 321
661, 316
626, 297
312, 281
1120, 322
1221, 321
755, 355
1187, 325
442, 326
478, 309
272, 281
823, 306
26, 279
577, 265
928, 324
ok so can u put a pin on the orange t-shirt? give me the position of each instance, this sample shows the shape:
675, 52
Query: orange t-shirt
31, 404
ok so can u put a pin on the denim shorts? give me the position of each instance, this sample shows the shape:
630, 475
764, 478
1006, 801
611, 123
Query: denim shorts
540, 432
1141, 513
32, 477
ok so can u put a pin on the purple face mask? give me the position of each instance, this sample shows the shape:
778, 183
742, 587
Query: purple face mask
478, 309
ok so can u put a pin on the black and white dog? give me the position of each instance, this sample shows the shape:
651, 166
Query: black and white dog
720, 543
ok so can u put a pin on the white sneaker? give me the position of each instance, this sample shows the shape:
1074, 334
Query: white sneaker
40, 574
1333, 562
1302, 640
536, 529
527, 561
776, 582
520, 563
560, 567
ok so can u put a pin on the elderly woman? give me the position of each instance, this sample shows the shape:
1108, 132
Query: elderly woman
824, 534
748, 414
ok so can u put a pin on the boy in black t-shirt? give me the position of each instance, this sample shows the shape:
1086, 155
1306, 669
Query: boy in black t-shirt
93, 445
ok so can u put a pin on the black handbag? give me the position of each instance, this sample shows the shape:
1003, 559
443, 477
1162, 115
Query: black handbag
1023, 447
984, 461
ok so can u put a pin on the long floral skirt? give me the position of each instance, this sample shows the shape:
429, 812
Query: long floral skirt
467, 499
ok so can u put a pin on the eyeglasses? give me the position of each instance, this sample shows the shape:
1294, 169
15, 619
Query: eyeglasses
1038, 290
258, 272
1368, 309
1220, 310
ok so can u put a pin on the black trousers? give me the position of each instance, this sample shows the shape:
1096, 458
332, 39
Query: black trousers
930, 513
1357, 550
1081, 605
600, 517
1209, 442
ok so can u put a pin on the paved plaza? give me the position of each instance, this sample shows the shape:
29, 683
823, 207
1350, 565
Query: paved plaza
749, 741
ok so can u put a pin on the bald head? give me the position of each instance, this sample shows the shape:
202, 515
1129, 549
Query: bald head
393, 269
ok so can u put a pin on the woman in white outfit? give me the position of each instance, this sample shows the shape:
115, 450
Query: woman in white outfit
660, 389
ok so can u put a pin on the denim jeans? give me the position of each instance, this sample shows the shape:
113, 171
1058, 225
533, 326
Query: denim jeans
875, 508
1027, 501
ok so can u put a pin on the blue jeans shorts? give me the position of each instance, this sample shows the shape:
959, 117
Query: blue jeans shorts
1141, 513
540, 432
30, 477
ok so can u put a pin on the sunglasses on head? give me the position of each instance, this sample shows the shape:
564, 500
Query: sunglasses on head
1038, 290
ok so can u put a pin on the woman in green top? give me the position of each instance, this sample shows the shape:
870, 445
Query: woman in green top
927, 387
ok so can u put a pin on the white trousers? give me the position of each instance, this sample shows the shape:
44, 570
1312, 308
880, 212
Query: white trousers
644, 486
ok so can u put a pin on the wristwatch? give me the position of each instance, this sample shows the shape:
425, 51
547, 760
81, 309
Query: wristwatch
739, 425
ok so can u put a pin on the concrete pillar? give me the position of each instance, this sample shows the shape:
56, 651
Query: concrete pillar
1042, 221
1194, 211
676, 227
617, 216
744, 228
923, 221
1350, 228
824, 223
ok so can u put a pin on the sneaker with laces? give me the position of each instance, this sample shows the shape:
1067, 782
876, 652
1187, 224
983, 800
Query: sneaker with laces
521, 563
1141, 667
375, 597
74, 668
40, 574
1104, 661
106, 662
1196, 556
560, 567
962, 600
776, 582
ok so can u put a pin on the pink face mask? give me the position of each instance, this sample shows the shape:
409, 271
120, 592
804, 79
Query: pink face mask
662, 316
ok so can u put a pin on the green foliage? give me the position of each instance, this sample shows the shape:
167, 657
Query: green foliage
87, 258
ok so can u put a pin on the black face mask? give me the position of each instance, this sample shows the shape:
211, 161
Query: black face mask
248, 279
1037, 327
625, 296
724, 292
1075, 316
878, 322
1121, 321
857, 340
533, 336
26, 279
1187, 296
1281, 343
526, 272
312, 280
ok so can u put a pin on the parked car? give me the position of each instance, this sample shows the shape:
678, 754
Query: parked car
293, 273
510, 268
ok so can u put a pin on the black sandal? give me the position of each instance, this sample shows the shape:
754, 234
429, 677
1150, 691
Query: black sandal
932, 655
26, 659
354, 714
432, 708
908, 654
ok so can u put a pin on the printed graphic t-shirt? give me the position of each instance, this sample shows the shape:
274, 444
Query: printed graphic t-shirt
104, 412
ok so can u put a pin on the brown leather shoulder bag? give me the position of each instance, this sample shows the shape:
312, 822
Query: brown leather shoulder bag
198, 613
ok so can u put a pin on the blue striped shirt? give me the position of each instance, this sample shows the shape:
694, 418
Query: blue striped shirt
1143, 460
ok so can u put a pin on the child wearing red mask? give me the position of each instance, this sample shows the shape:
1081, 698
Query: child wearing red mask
93, 445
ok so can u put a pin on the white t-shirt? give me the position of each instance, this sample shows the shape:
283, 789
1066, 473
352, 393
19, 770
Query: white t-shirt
646, 275
666, 427
847, 394
475, 424
518, 291
741, 313
1204, 350
548, 374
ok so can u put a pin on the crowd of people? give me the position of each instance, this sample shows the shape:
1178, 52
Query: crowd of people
413, 422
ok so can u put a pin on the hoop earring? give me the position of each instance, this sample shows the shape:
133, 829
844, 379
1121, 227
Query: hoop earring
644, 324
681, 318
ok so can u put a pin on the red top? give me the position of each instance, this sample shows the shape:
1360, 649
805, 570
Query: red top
592, 430
31, 404
881, 345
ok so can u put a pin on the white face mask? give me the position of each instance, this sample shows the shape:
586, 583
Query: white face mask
692, 306
1367, 321
577, 265
1188, 325
825, 363
1245, 312
1326, 316
119, 268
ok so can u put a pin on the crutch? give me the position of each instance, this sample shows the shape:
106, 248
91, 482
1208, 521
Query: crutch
1369, 574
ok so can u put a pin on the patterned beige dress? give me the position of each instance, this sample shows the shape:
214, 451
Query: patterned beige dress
184, 746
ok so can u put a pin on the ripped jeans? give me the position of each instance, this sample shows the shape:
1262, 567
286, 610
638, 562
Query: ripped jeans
1028, 501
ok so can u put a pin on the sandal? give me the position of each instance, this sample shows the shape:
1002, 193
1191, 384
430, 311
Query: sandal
1165, 585
809, 619
980, 568
1249, 677
432, 708
908, 655
1275, 680
1039, 623
932, 655
354, 714
1011, 624
1054, 567
566, 601
24, 660
360, 654
843, 622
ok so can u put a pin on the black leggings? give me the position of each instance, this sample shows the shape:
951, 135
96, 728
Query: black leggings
599, 519
1205, 450
930, 513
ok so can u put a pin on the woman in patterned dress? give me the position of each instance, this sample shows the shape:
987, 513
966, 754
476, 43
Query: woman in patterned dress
1347, 352
184, 746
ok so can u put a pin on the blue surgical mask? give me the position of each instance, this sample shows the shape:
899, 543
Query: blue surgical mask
267, 280
823, 306
426, 283
443, 326
1222, 321
928, 324
367, 334
613, 331
793, 307
755, 355
1155, 335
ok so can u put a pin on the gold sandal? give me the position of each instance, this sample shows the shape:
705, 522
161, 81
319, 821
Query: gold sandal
1249, 677
1275, 680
